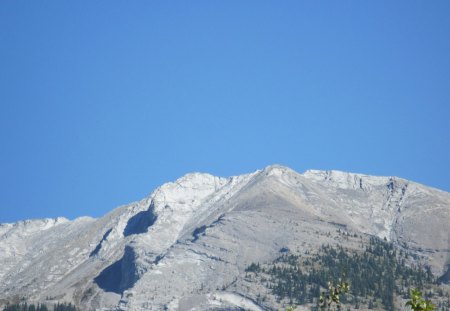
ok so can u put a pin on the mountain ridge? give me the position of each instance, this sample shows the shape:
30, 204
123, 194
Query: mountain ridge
205, 224
310, 173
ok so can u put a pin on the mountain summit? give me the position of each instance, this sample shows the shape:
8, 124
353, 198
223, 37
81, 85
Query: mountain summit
188, 243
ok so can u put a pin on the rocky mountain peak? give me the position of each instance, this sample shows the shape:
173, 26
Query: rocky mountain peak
189, 190
345, 180
191, 239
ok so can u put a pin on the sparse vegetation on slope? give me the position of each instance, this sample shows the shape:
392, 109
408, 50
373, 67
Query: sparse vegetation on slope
380, 276
39, 307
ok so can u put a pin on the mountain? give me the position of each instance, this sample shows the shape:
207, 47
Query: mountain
188, 244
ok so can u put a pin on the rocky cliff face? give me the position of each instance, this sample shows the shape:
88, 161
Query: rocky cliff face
188, 243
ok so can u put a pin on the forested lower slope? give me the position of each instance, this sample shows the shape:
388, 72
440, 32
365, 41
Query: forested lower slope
380, 275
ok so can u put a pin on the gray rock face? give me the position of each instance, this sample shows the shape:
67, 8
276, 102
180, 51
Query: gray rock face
187, 245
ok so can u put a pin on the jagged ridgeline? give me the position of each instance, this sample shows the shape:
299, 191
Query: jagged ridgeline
188, 243
380, 275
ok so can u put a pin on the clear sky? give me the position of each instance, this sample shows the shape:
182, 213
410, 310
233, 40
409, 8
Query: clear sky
102, 101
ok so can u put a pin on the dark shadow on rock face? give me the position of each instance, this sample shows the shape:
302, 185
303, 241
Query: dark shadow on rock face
445, 278
121, 275
140, 222
99, 245
110, 278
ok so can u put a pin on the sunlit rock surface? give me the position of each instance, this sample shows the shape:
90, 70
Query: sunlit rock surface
187, 245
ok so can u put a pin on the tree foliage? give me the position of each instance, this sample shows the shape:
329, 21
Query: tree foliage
333, 297
417, 303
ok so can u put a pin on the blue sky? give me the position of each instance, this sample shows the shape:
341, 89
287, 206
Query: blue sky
102, 101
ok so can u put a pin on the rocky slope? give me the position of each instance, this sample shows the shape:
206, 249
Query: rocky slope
187, 245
